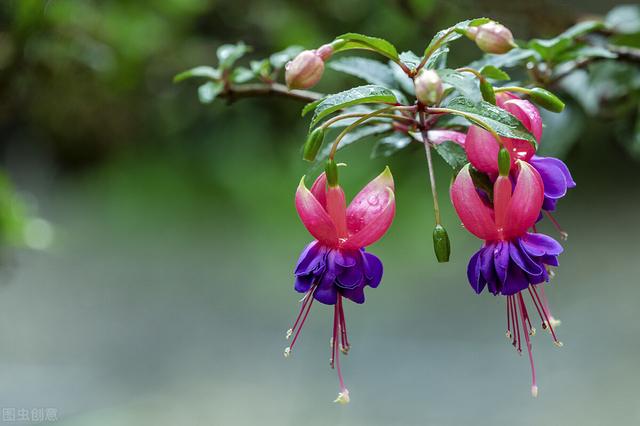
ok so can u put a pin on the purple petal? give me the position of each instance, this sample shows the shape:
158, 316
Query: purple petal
522, 259
539, 244
487, 267
549, 259
355, 295
303, 283
553, 178
501, 260
350, 278
327, 292
372, 269
346, 259
473, 273
311, 258
516, 280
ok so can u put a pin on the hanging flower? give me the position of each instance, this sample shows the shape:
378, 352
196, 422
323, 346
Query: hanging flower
511, 261
336, 265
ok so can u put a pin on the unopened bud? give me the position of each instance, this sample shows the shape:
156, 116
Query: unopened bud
487, 91
504, 162
428, 87
305, 70
441, 244
492, 38
331, 169
313, 144
546, 99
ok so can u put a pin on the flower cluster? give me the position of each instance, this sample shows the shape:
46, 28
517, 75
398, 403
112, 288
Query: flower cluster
514, 258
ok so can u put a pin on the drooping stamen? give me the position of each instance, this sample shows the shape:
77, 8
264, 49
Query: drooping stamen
343, 395
302, 317
344, 339
512, 308
546, 318
545, 305
531, 331
524, 315
508, 333
563, 234
515, 309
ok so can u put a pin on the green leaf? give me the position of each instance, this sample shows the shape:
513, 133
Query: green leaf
457, 31
261, 68
512, 58
202, 71
410, 59
484, 114
584, 51
494, 73
403, 80
391, 144
209, 91
465, 84
228, 54
372, 71
279, 59
549, 49
438, 59
624, 19
356, 135
357, 95
452, 153
310, 107
242, 75
359, 41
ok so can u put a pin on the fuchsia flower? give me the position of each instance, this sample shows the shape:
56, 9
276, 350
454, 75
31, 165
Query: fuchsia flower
482, 151
511, 260
336, 265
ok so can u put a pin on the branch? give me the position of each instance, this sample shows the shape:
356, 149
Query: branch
233, 92
627, 54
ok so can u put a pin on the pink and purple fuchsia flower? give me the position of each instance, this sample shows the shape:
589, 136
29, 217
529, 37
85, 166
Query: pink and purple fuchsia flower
335, 265
512, 260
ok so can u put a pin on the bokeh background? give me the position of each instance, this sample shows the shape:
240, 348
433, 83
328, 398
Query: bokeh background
162, 287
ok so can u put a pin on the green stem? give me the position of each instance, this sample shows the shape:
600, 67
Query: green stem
512, 89
432, 49
471, 71
353, 125
432, 177
354, 115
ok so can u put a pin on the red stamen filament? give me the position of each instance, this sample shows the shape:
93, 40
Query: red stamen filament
338, 343
546, 318
301, 318
563, 234
525, 317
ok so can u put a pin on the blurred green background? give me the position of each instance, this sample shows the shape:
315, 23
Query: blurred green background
166, 291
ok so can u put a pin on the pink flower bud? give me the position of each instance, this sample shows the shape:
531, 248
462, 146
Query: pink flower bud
492, 38
305, 70
428, 86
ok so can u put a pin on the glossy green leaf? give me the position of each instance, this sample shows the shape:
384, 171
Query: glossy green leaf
228, 54
391, 144
549, 49
484, 114
279, 59
261, 68
242, 75
371, 71
464, 83
203, 71
452, 153
403, 80
310, 107
494, 73
514, 57
410, 59
209, 91
356, 135
357, 95
360, 41
456, 31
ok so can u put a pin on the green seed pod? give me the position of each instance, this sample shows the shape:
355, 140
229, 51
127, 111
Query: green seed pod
331, 169
441, 244
504, 162
313, 144
488, 94
546, 99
